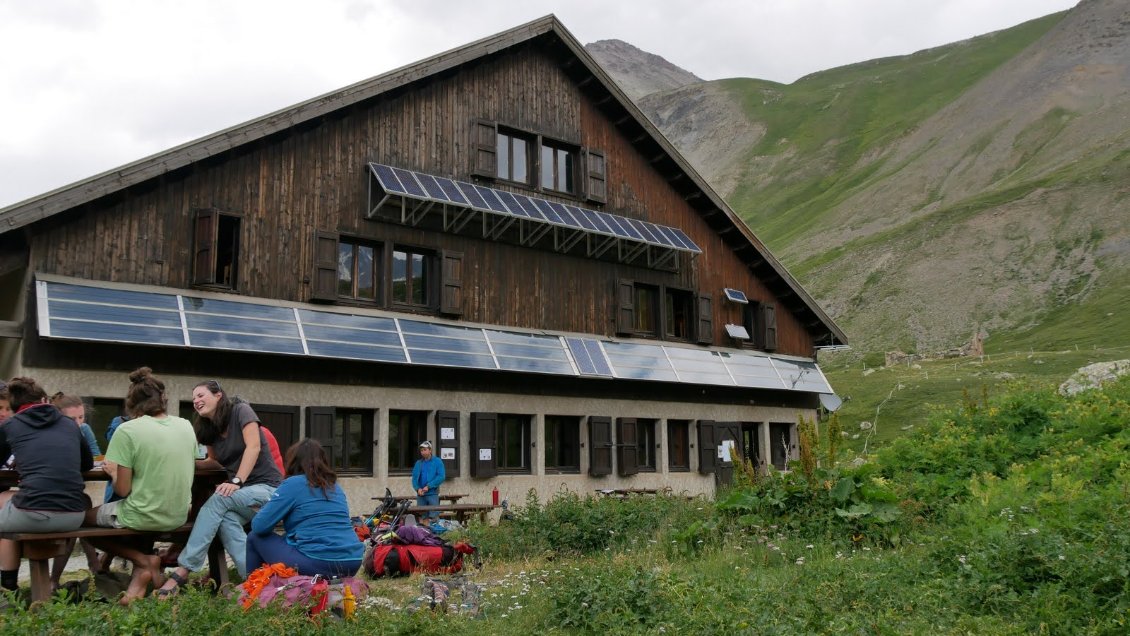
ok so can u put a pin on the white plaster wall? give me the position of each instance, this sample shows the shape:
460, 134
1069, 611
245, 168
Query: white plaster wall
360, 490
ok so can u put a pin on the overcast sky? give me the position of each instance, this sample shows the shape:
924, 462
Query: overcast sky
88, 85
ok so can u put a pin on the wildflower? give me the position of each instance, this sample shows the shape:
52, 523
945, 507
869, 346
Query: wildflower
800, 561
809, 546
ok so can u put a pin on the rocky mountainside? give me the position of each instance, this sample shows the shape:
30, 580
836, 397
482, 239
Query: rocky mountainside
979, 187
638, 72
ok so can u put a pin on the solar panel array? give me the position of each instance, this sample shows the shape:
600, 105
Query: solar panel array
426, 187
84, 311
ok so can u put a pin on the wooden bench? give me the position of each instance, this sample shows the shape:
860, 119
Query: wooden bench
39, 547
459, 511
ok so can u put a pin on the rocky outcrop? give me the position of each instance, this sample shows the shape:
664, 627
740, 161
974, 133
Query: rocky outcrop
1094, 376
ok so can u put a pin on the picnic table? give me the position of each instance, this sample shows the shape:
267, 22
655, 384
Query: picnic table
451, 499
458, 510
624, 493
39, 548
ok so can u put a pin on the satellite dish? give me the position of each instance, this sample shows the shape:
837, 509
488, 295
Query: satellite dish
831, 402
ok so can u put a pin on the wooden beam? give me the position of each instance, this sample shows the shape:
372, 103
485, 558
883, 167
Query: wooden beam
11, 329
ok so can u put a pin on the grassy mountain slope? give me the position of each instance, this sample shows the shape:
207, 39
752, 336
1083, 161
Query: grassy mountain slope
978, 187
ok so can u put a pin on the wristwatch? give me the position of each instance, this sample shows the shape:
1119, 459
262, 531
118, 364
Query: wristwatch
236, 480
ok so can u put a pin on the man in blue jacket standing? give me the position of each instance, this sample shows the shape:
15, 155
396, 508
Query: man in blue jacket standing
427, 475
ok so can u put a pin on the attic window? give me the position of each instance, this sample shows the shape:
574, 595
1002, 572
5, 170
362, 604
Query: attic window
216, 249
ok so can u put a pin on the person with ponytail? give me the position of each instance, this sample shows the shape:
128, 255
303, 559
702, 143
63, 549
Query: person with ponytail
230, 429
51, 456
151, 461
319, 536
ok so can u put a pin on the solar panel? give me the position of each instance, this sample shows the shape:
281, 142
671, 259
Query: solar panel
737, 332
431, 186
387, 178
735, 296
547, 211
117, 332
660, 237
644, 232
675, 240
685, 240
88, 312
639, 362
698, 366
565, 216
511, 203
619, 229
528, 207
411, 187
434, 188
596, 222
492, 200
599, 360
583, 219
452, 192
473, 197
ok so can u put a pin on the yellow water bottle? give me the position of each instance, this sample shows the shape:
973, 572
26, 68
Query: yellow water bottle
348, 602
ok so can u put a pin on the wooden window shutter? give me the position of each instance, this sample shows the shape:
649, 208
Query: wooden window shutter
204, 247
751, 319
484, 444
451, 283
448, 420
600, 446
596, 176
325, 266
625, 307
770, 311
707, 448
484, 148
627, 446
320, 428
704, 331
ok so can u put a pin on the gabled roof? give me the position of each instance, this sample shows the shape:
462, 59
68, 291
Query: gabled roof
608, 95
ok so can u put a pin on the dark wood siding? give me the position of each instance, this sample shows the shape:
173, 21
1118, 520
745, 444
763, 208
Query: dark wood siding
313, 178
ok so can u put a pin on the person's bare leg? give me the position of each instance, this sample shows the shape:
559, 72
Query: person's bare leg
59, 564
139, 556
93, 560
138, 585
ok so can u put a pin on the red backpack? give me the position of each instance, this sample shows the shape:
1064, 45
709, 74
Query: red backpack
401, 560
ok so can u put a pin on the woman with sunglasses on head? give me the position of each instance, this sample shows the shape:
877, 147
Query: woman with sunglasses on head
230, 429
319, 536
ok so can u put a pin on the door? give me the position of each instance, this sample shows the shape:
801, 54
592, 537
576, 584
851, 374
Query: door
750, 445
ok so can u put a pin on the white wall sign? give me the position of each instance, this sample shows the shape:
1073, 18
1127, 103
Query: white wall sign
484, 454
726, 451
447, 433
447, 453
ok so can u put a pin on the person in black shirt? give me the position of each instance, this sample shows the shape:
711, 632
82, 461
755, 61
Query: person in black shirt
51, 456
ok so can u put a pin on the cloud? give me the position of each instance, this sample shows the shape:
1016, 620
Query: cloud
93, 84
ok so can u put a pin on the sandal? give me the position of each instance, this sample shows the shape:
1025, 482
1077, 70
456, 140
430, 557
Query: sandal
181, 581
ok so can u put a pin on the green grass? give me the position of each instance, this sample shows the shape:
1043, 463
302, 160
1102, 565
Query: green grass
831, 120
1003, 515
901, 398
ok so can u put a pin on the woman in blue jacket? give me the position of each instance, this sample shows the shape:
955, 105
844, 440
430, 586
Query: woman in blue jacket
319, 536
